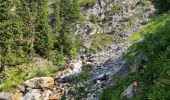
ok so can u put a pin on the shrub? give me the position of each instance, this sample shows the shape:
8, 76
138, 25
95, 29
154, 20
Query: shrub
93, 19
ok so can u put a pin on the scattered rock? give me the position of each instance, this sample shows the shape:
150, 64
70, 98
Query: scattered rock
46, 95
5, 96
40, 82
17, 96
69, 78
34, 94
54, 97
129, 92
22, 89
76, 66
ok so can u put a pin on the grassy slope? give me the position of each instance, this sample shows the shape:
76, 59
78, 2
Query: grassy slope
154, 73
14, 76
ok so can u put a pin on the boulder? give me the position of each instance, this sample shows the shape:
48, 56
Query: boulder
76, 66
92, 30
69, 78
34, 94
5, 96
54, 97
40, 82
46, 95
17, 96
129, 92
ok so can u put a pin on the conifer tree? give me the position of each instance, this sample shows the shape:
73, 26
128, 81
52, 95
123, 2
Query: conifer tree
44, 41
75, 10
11, 35
56, 15
68, 15
28, 13
5, 36
65, 11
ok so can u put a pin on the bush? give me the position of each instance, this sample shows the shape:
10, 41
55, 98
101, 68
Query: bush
93, 19
87, 3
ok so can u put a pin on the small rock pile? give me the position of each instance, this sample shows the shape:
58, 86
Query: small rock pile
39, 88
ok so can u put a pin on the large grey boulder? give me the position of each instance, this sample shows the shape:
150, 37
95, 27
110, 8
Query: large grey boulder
5, 96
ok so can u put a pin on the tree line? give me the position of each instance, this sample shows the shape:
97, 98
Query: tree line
26, 32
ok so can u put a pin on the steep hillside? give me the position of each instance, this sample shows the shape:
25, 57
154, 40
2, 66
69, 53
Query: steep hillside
102, 49
148, 61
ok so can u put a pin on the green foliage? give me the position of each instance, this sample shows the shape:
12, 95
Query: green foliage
56, 14
12, 77
93, 19
26, 30
84, 75
152, 42
153, 31
99, 41
142, 2
25, 33
44, 38
67, 43
154, 47
162, 5
88, 3
120, 83
46, 72
11, 35
115, 9
75, 10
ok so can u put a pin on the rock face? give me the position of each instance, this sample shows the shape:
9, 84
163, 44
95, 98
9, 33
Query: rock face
114, 16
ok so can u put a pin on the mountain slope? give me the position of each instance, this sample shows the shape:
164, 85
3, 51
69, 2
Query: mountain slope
150, 52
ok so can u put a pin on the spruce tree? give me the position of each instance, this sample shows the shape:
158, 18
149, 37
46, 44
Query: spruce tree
44, 41
69, 13
75, 10
65, 12
56, 15
5, 36
11, 35
28, 13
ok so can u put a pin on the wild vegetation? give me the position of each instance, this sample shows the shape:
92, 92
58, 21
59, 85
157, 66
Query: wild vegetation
36, 36
26, 32
152, 44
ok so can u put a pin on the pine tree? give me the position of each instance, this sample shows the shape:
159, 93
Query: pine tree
27, 10
69, 13
44, 41
75, 10
56, 15
5, 36
11, 35
65, 12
